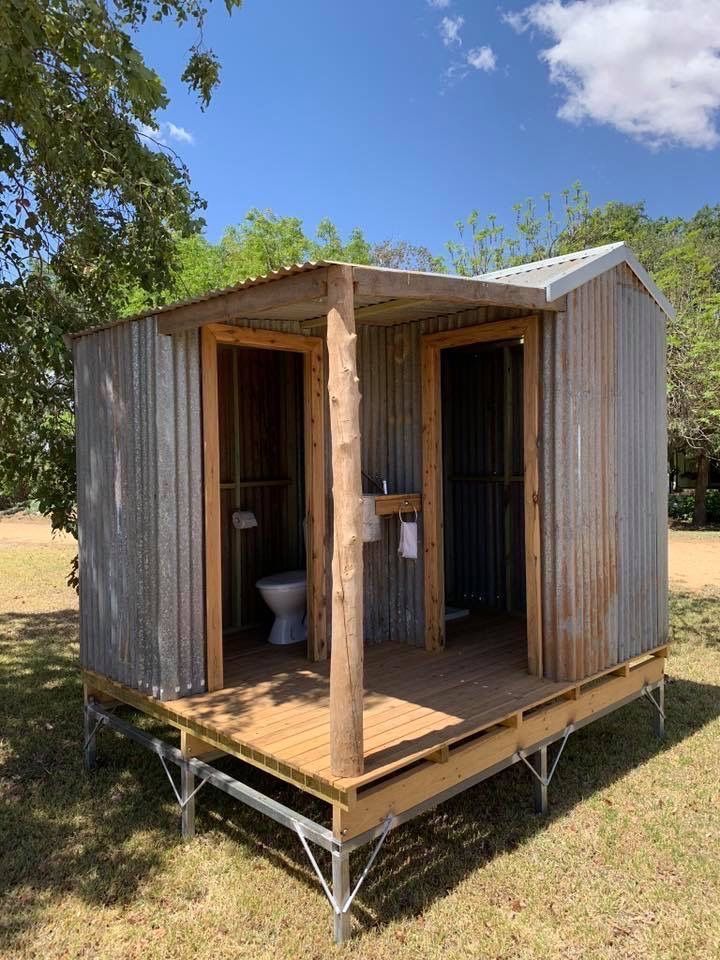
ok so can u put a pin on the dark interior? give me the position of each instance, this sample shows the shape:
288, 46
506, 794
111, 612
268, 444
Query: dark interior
482, 417
260, 400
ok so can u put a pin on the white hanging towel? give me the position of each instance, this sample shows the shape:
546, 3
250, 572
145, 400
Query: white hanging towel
407, 547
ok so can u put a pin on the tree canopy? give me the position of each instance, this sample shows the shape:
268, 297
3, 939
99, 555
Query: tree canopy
683, 256
90, 206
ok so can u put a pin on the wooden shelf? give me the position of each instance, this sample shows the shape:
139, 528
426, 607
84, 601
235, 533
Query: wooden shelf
390, 504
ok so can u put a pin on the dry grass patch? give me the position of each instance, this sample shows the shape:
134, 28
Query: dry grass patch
625, 867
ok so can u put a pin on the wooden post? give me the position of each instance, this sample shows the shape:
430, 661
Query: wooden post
346, 655
211, 483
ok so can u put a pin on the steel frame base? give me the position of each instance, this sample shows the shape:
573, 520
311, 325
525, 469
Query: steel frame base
341, 893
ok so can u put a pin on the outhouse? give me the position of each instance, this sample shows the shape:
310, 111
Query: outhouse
443, 497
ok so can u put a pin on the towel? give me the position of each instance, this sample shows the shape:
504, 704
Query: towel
407, 547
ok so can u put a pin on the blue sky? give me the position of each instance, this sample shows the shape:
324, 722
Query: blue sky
373, 114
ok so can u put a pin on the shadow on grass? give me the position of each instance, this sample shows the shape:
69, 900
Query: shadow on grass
102, 836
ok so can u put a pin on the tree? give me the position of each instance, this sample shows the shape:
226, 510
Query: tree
485, 246
683, 256
689, 273
89, 206
261, 243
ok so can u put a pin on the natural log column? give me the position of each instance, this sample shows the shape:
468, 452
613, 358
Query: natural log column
346, 657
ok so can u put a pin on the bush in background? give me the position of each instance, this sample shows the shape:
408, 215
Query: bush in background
682, 505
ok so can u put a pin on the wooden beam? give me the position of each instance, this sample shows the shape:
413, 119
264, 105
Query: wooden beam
382, 313
433, 567
211, 485
260, 339
346, 656
316, 538
390, 504
266, 295
427, 779
531, 451
403, 284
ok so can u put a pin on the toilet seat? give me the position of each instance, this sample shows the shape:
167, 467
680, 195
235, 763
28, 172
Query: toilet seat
290, 580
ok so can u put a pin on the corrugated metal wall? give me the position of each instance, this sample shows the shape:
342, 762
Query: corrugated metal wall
641, 450
140, 508
603, 455
603, 475
391, 427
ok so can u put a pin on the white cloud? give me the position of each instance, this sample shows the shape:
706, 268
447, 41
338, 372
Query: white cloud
164, 132
439, 4
482, 58
650, 68
450, 30
179, 133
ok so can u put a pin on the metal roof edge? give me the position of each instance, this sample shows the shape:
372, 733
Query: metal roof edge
614, 255
589, 253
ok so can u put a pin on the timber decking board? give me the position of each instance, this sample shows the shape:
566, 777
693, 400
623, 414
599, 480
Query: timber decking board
417, 704
277, 703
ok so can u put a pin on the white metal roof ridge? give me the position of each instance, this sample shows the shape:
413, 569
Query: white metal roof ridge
583, 266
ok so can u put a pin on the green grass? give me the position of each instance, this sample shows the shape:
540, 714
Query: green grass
625, 867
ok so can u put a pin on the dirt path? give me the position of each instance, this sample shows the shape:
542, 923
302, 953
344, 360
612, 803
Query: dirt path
694, 561
30, 531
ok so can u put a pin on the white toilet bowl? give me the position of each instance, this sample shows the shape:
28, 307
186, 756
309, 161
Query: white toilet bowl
285, 594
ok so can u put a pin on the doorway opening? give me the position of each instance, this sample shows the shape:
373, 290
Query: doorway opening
481, 482
262, 481
265, 503
483, 495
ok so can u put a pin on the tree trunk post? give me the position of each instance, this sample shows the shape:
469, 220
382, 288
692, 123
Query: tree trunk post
346, 657
701, 485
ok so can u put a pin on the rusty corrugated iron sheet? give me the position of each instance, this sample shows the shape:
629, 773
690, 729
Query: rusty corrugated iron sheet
139, 466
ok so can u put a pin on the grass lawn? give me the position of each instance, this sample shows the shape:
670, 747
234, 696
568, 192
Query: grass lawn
626, 866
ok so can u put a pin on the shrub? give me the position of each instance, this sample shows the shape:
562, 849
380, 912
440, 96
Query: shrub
682, 505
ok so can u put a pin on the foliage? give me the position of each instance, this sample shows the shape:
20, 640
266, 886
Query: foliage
682, 255
89, 206
400, 255
482, 247
681, 507
263, 242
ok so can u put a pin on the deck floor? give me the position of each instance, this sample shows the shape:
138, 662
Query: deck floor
276, 702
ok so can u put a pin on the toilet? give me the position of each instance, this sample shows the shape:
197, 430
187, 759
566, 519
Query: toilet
285, 594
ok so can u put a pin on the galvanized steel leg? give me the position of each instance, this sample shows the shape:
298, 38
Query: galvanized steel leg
341, 892
187, 797
539, 761
90, 728
660, 712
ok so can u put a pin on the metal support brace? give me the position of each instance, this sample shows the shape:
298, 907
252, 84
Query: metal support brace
340, 897
185, 796
539, 761
538, 768
90, 735
187, 792
659, 705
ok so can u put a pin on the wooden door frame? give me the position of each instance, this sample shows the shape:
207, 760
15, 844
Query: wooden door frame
311, 348
527, 328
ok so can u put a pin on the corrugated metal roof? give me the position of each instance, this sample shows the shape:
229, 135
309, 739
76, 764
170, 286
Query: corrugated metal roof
555, 276
558, 276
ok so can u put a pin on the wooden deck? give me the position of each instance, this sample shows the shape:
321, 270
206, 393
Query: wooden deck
274, 711
415, 702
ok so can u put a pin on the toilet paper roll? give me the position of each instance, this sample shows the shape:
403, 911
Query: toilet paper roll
244, 519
